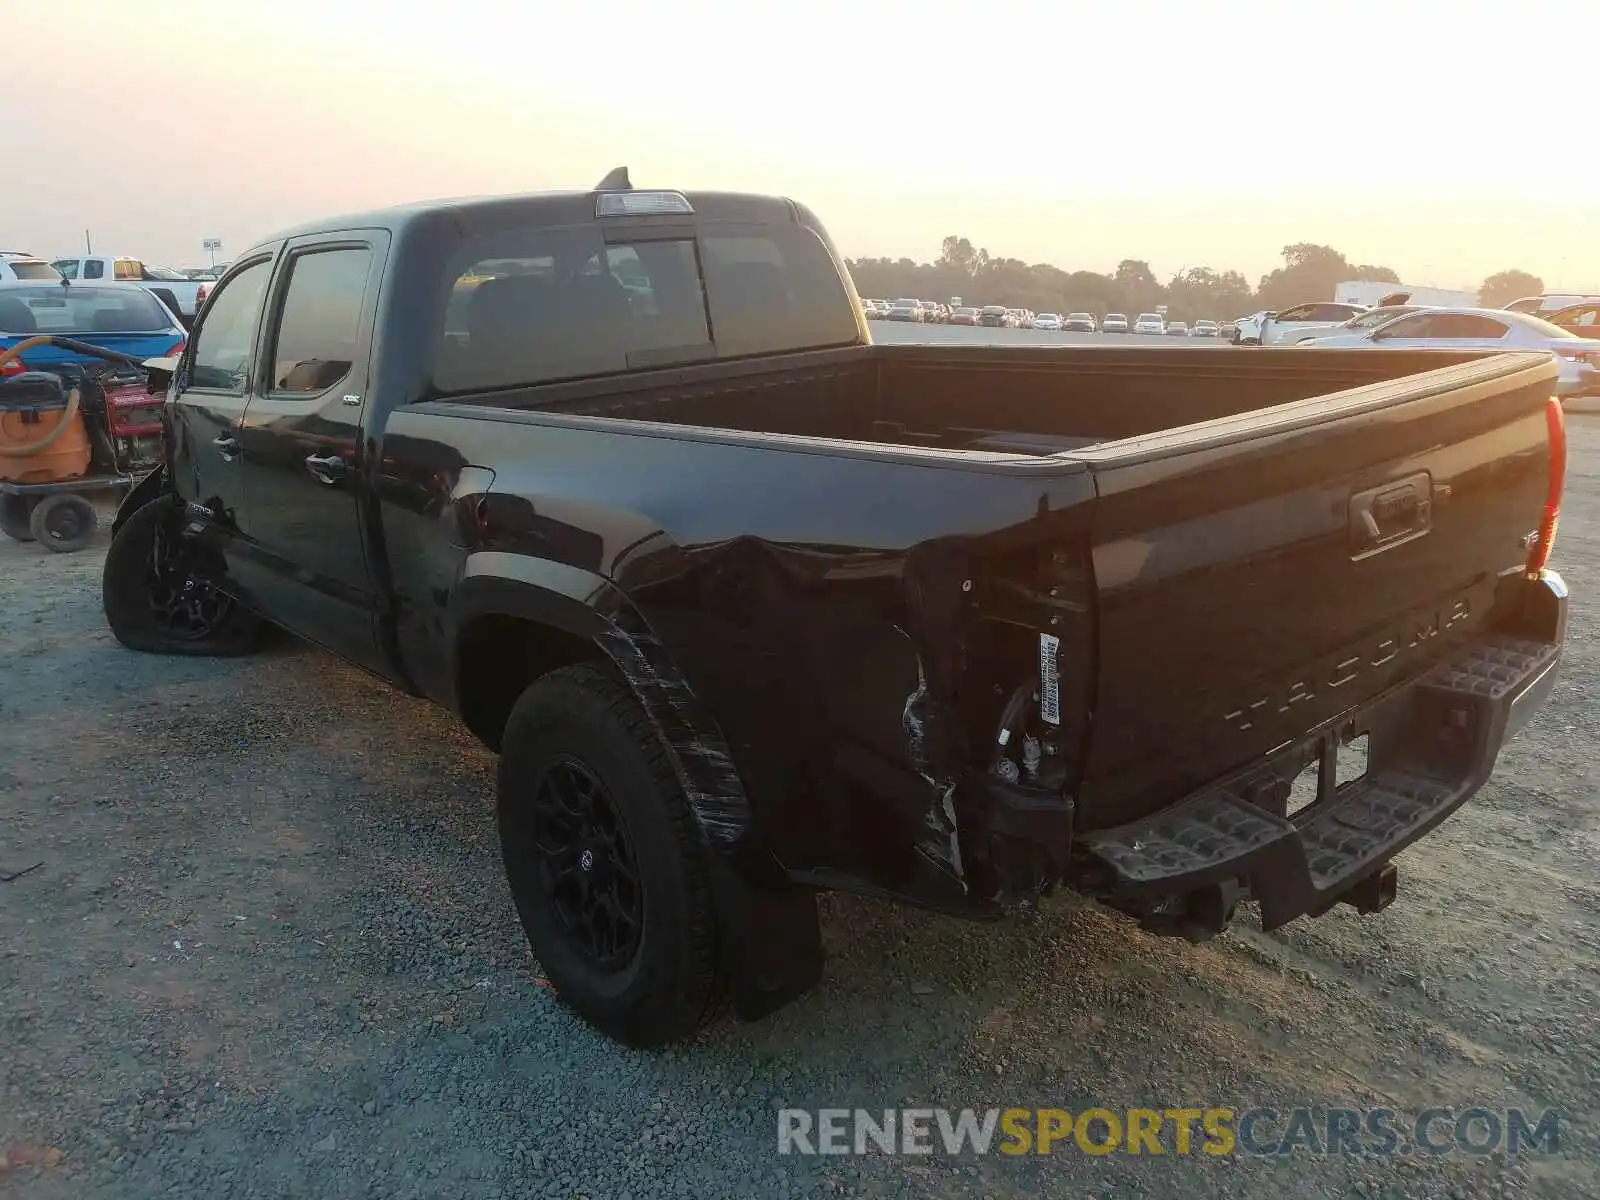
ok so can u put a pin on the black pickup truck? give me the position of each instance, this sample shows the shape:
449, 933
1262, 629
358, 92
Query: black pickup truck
750, 607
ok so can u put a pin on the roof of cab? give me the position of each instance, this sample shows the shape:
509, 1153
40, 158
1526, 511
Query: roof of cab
553, 208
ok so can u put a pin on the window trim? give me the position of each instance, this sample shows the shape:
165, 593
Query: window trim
185, 373
277, 300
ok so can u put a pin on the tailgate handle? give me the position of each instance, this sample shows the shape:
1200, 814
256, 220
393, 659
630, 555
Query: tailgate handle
1382, 518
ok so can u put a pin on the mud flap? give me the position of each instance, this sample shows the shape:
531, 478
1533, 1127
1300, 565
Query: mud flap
771, 941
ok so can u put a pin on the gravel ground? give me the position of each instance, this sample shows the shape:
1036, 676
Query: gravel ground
269, 953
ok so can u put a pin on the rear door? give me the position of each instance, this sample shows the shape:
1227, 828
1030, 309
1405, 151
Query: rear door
1260, 575
301, 453
208, 398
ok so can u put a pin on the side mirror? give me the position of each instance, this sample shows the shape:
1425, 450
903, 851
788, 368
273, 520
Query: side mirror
158, 374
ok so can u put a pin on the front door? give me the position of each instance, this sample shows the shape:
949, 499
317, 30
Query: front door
301, 453
210, 392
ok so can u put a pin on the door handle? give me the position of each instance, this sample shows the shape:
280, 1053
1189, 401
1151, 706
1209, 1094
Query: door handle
329, 468
227, 445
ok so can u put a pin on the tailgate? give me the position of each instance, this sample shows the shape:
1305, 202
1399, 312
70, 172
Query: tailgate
1259, 575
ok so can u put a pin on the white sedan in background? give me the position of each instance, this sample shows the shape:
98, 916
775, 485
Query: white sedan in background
1269, 328
1050, 321
1577, 358
1370, 319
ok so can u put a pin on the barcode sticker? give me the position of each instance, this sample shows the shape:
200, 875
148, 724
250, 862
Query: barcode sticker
1049, 679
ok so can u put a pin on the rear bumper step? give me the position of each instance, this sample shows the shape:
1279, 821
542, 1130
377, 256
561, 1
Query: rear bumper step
1433, 745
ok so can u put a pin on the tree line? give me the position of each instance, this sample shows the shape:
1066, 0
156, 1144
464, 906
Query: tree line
1309, 272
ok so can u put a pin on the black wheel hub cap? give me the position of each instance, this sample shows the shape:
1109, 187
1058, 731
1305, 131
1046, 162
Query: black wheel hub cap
64, 524
185, 606
586, 865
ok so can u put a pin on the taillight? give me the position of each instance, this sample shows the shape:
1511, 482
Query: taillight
200, 294
1556, 425
15, 367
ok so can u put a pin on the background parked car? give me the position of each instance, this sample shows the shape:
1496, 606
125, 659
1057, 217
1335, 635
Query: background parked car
994, 316
1581, 319
1048, 321
19, 266
964, 316
1370, 319
1269, 328
905, 310
1204, 328
1550, 302
132, 321
1150, 323
1114, 323
1079, 322
119, 270
1481, 329
1177, 329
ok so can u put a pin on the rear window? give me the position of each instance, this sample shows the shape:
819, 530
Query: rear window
537, 306
1545, 328
23, 269
81, 310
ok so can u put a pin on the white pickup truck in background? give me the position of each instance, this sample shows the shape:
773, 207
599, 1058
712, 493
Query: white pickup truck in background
118, 270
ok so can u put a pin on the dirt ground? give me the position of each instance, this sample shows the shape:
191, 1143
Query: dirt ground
268, 952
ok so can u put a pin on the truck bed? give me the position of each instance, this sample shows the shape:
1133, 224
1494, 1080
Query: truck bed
1031, 402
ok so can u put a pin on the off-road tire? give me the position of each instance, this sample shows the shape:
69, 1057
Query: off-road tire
671, 982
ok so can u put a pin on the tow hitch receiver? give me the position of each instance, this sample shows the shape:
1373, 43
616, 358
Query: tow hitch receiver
1374, 893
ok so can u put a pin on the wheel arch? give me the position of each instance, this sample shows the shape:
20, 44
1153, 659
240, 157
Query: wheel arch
515, 618
771, 942
154, 485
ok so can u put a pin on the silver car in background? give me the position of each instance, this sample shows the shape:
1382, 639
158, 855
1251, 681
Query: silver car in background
1577, 358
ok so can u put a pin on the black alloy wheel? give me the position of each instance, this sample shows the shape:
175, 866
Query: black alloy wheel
587, 865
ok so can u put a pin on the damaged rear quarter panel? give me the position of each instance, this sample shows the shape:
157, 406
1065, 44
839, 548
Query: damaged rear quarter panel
803, 608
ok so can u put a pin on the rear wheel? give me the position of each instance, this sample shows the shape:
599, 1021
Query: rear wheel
605, 861
156, 595
14, 513
63, 522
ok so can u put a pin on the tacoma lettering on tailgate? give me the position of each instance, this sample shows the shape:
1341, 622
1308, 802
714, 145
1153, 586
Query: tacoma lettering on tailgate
1417, 634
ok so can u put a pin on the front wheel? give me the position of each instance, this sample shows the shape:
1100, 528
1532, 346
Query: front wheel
605, 860
157, 599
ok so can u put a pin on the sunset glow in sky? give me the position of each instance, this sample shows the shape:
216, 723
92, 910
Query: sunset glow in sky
1410, 133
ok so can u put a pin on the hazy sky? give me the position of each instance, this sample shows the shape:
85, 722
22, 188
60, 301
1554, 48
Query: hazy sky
1412, 133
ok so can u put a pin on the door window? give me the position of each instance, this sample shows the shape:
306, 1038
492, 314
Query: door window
320, 322
225, 342
94, 268
1405, 327
68, 268
1465, 327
